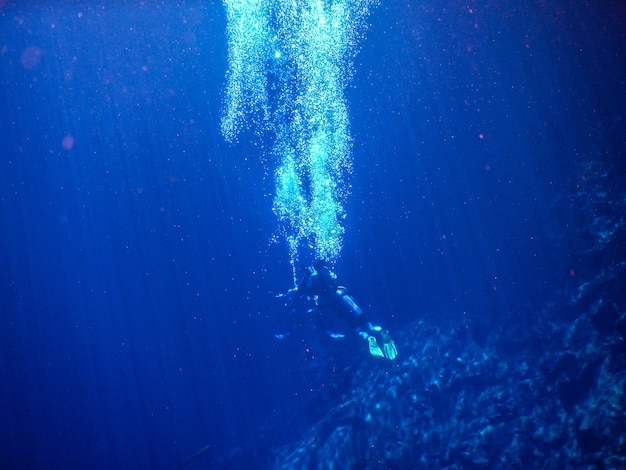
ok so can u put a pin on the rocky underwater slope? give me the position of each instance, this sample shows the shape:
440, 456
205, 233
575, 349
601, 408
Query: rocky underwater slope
545, 392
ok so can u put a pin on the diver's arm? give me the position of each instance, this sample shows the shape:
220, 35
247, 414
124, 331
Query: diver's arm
348, 301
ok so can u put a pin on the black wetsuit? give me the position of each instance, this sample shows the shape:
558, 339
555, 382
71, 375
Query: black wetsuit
319, 284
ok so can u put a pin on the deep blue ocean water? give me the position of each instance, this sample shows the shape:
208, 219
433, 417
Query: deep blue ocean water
137, 308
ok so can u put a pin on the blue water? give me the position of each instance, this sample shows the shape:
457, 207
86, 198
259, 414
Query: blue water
141, 255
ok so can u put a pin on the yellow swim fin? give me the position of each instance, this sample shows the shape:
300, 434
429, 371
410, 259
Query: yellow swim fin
389, 346
374, 348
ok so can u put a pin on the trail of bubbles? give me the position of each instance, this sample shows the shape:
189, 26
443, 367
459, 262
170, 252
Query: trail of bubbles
249, 39
289, 62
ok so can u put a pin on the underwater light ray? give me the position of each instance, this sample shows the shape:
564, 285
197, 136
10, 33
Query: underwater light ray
289, 62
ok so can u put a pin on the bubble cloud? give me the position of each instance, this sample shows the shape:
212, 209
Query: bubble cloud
289, 63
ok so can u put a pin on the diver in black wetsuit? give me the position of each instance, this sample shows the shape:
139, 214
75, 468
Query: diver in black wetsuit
319, 292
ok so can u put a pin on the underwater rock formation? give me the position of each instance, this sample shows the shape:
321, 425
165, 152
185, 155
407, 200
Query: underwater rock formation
548, 395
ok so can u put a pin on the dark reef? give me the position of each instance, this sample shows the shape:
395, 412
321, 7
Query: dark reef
545, 395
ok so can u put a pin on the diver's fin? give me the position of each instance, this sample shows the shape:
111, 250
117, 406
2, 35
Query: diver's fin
374, 348
389, 346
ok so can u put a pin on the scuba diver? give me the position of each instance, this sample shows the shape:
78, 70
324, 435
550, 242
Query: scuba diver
319, 292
